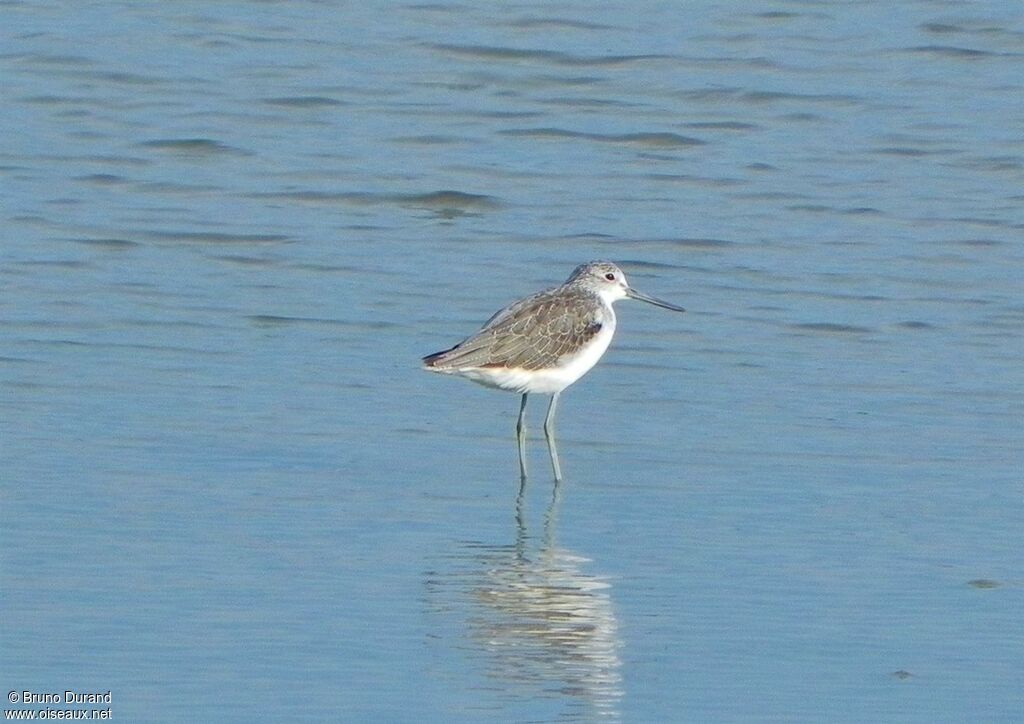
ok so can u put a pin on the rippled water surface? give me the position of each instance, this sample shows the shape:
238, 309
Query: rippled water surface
230, 230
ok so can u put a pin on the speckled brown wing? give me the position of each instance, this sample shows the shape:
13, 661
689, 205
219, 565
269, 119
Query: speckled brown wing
531, 334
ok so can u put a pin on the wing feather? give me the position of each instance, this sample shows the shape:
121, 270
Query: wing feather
534, 333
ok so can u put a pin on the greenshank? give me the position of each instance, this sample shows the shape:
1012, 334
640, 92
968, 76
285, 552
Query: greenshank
544, 342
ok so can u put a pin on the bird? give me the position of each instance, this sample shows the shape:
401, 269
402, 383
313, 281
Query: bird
544, 342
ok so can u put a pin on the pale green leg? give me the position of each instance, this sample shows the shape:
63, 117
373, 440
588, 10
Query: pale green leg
521, 437
549, 433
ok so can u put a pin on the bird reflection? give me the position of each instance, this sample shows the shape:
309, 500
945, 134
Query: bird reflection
543, 626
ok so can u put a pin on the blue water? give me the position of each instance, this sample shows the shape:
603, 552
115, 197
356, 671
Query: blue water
230, 230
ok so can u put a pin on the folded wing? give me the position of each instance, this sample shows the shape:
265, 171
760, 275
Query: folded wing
534, 333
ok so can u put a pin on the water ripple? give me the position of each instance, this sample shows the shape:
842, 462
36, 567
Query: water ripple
440, 200
555, 57
194, 147
653, 139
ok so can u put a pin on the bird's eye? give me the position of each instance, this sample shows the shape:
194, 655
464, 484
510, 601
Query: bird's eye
610, 276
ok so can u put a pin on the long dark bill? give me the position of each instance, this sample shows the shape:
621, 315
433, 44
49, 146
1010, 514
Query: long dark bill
634, 294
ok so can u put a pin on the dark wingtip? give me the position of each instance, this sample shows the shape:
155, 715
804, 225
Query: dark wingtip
431, 360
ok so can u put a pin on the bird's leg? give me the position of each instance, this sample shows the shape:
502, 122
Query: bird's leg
521, 437
549, 433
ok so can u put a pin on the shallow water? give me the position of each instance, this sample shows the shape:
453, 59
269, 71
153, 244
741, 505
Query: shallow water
230, 231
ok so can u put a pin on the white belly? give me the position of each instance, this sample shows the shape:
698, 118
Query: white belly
546, 381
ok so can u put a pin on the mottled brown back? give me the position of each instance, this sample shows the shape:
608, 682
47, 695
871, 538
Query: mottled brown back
534, 333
